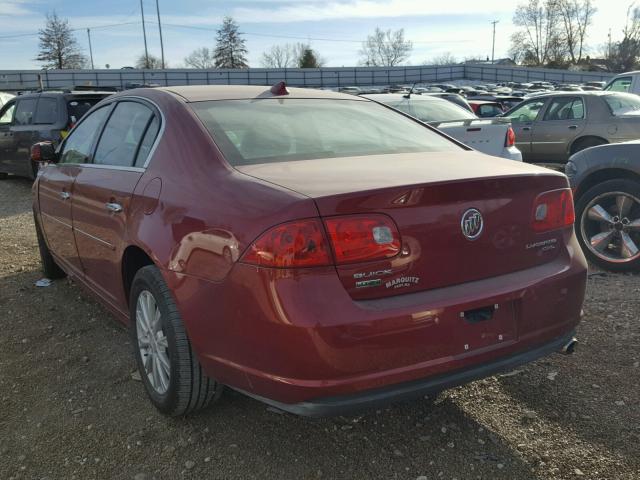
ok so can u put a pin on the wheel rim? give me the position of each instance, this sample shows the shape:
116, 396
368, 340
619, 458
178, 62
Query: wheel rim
610, 227
152, 342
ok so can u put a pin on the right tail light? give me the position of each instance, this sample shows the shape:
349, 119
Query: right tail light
553, 210
510, 139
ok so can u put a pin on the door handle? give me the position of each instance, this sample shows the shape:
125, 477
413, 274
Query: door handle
65, 195
572, 127
526, 129
113, 207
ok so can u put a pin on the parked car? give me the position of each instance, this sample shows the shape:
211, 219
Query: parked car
552, 126
34, 117
486, 108
606, 182
628, 82
490, 137
378, 261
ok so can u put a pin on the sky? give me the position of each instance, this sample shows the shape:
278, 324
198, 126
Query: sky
334, 28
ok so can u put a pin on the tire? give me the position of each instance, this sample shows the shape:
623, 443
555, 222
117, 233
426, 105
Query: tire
586, 142
3, 175
606, 236
187, 388
49, 266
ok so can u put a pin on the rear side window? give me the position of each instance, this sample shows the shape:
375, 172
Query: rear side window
77, 147
619, 85
147, 142
281, 130
125, 128
47, 112
25, 110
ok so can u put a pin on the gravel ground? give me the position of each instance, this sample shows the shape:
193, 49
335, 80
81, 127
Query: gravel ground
70, 408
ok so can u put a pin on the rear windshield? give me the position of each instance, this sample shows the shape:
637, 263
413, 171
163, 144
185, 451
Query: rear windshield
279, 130
431, 110
77, 107
623, 103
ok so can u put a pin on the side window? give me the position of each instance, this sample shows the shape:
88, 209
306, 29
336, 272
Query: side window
565, 108
47, 112
526, 112
24, 111
619, 85
147, 142
122, 134
77, 147
6, 114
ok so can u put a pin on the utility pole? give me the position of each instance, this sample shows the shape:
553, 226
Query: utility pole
90, 49
160, 29
493, 46
144, 34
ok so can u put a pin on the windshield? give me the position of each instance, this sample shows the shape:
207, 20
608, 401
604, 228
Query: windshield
279, 130
623, 103
434, 110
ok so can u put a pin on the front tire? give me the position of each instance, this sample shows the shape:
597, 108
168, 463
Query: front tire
608, 225
168, 366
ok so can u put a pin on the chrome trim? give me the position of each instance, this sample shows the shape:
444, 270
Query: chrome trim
99, 240
55, 219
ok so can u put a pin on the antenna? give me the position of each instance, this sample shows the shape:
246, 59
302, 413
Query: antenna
408, 95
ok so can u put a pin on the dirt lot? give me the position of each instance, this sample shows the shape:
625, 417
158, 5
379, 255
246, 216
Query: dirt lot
70, 408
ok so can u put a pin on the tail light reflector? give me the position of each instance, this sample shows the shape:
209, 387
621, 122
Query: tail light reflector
296, 244
510, 139
553, 210
360, 238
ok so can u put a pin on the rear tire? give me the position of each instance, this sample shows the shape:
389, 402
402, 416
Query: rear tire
3, 176
168, 366
586, 142
49, 266
605, 219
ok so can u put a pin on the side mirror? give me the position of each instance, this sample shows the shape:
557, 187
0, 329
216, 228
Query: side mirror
43, 152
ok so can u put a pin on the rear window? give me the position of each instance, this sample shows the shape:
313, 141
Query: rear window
622, 104
279, 130
435, 110
78, 107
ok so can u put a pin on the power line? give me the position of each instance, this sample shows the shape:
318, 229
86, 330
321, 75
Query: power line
35, 34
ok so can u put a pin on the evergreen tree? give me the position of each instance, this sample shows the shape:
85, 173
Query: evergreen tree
58, 47
308, 59
230, 51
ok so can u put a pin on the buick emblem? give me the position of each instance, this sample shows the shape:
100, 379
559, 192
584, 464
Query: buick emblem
471, 224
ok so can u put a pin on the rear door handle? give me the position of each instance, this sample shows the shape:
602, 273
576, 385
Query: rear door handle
572, 127
113, 207
526, 129
65, 195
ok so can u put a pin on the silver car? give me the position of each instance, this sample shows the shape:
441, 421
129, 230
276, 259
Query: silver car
551, 127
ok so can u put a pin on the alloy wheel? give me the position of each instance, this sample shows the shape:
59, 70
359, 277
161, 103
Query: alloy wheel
610, 227
152, 342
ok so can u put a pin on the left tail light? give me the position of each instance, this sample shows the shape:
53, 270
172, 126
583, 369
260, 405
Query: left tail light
553, 210
510, 139
304, 243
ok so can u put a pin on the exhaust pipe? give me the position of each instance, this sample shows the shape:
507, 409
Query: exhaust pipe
569, 347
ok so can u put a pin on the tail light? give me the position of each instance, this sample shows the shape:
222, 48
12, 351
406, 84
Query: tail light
553, 210
303, 243
296, 244
510, 139
360, 238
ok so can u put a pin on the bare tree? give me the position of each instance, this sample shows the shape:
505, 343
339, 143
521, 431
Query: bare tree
200, 58
385, 48
151, 62
575, 16
626, 52
58, 46
231, 51
445, 59
538, 20
279, 56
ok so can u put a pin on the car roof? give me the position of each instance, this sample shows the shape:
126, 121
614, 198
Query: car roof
589, 93
381, 97
201, 93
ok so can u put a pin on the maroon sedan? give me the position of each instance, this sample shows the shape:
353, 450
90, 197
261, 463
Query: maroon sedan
314, 250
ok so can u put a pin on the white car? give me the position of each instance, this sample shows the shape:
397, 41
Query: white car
491, 136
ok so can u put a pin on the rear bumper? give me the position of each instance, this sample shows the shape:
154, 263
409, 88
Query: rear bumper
512, 153
298, 339
346, 404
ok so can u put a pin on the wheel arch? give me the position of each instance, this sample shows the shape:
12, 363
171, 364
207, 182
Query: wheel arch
133, 259
577, 140
603, 175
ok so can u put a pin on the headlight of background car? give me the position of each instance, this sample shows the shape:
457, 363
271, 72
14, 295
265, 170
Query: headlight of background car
570, 169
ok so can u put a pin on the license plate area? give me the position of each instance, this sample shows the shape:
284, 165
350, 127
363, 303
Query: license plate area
486, 325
